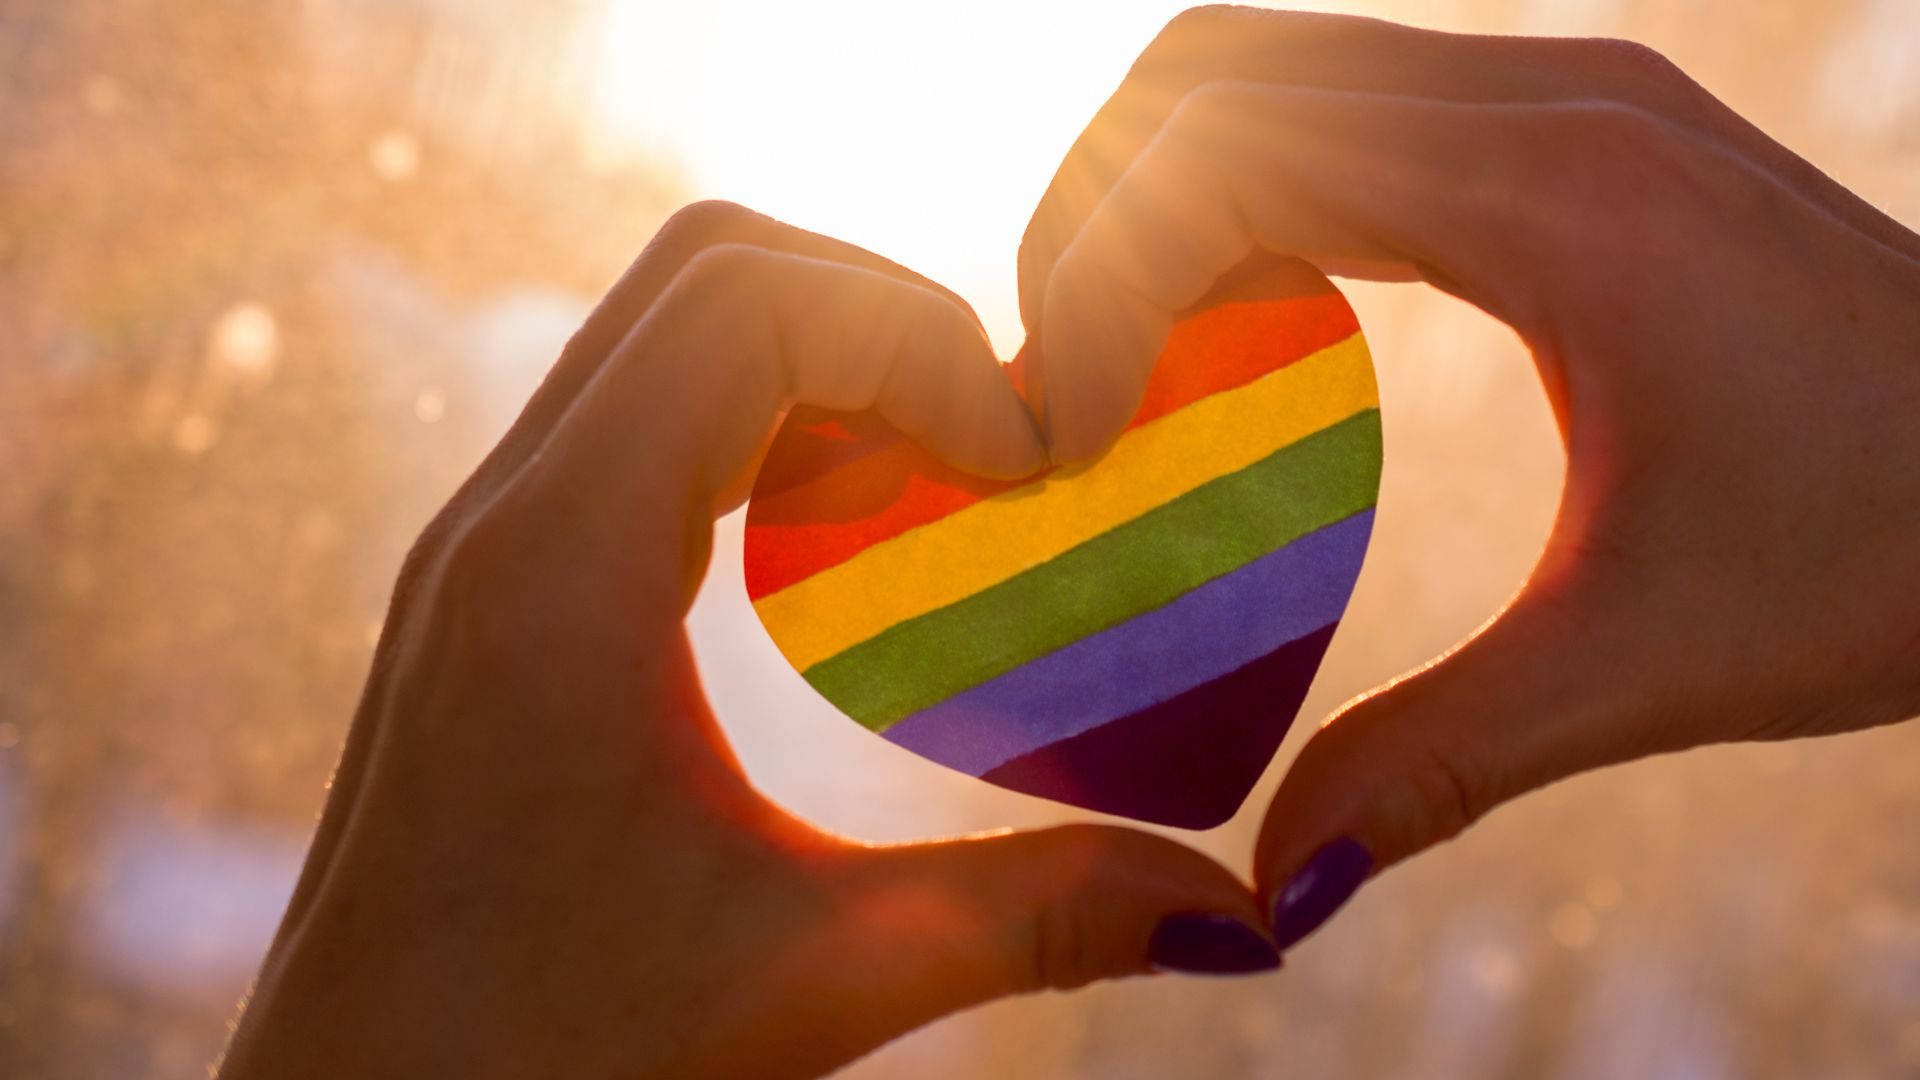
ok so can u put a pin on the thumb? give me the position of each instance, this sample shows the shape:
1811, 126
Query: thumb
1539, 694
963, 921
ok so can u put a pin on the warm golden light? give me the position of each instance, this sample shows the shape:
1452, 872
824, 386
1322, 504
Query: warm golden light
274, 278
924, 133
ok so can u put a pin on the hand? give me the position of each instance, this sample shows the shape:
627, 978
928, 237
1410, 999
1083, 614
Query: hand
539, 856
1730, 342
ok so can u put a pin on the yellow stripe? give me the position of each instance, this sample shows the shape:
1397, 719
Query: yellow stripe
988, 542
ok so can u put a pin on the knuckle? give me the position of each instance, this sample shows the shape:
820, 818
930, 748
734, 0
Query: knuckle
1631, 72
1205, 108
1611, 132
697, 227
1066, 932
1342, 748
1061, 956
478, 568
1200, 24
424, 556
1451, 791
1634, 60
1208, 35
699, 224
1434, 792
718, 265
422, 561
935, 324
471, 556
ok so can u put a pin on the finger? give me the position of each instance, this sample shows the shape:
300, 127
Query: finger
1474, 197
734, 494
685, 402
918, 931
960, 922
1537, 695
1228, 44
687, 234
690, 231
1348, 53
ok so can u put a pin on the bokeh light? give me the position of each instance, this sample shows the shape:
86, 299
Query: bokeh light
273, 278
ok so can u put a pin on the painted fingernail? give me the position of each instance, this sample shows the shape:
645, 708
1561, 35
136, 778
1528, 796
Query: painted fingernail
1196, 944
1318, 889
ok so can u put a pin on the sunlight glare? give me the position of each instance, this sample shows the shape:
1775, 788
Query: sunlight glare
925, 134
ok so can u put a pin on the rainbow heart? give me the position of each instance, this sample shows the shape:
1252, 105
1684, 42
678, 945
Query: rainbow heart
1133, 636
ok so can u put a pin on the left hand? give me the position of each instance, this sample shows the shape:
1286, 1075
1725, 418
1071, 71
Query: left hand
539, 857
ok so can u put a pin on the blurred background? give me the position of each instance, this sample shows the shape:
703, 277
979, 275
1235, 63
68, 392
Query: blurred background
274, 275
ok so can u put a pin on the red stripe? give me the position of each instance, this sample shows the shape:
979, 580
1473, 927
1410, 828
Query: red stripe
830, 441
888, 493
838, 484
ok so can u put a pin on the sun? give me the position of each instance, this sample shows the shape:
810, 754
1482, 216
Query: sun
925, 133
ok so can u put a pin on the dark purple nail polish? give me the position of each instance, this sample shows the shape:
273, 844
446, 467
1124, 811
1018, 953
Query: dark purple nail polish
1318, 889
1196, 944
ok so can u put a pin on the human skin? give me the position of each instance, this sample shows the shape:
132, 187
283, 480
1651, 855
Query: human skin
539, 857
1730, 342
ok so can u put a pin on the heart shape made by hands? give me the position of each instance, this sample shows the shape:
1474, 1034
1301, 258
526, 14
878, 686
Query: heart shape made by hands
1132, 636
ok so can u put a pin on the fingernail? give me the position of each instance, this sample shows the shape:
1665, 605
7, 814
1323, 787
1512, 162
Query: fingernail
1195, 944
1318, 889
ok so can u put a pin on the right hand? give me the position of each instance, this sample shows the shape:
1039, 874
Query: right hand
1730, 342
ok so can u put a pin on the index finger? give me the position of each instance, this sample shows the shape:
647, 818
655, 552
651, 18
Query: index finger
685, 401
1355, 54
1475, 197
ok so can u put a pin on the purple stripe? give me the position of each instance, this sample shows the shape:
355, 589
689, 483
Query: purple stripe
1188, 761
1217, 628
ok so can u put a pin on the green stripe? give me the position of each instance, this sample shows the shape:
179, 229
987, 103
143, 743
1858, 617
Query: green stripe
1178, 546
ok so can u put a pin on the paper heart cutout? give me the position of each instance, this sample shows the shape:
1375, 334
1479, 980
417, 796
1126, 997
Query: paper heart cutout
1134, 636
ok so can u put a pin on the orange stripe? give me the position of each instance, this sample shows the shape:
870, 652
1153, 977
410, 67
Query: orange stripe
831, 501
